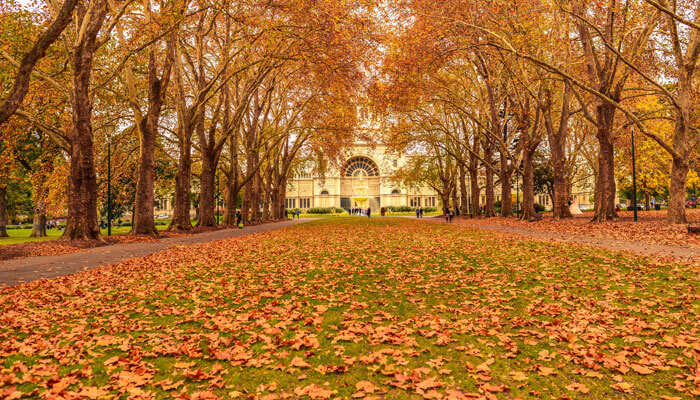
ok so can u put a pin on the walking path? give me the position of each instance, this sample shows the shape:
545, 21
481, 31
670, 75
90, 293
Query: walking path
689, 254
17, 271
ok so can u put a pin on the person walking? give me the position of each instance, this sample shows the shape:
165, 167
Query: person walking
298, 213
420, 212
417, 212
238, 219
451, 214
369, 212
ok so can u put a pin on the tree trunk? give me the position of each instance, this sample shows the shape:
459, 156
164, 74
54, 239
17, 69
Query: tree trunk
231, 203
506, 188
207, 195
647, 201
82, 194
605, 187
245, 203
475, 193
677, 192
3, 211
281, 192
232, 191
445, 197
255, 198
455, 199
144, 222
463, 189
528, 186
561, 197
560, 200
266, 206
181, 212
679, 168
489, 209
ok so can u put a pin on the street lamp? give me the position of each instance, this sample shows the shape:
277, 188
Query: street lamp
469, 198
517, 195
109, 185
218, 196
634, 178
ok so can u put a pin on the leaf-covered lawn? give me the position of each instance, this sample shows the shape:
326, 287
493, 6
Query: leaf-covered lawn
651, 228
351, 308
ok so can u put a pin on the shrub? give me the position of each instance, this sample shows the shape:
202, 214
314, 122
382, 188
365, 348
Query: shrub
429, 209
18, 227
400, 208
319, 210
539, 207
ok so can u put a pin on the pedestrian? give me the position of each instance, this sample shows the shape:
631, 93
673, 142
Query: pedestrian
369, 211
451, 214
417, 212
446, 213
420, 212
298, 213
238, 219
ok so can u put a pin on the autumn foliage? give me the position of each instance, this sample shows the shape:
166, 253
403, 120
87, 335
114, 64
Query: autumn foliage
412, 310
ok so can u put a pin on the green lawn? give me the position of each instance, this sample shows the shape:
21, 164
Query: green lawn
22, 235
355, 308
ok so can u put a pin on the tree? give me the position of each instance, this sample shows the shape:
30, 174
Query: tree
21, 84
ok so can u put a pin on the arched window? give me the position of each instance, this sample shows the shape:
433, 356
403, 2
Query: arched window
324, 193
396, 191
360, 166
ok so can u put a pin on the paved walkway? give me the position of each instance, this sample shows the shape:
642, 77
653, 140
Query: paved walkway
15, 272
689, 254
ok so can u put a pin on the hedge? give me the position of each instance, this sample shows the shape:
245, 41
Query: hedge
18, 227
409, 209
400, 208
327, 210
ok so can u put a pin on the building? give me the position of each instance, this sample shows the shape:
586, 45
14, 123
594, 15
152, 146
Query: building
363, 180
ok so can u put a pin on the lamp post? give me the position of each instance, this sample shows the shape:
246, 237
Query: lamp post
517, 195
634, 178
469, 198
109, 185
218, 197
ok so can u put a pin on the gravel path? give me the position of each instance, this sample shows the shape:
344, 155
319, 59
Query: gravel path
17, 271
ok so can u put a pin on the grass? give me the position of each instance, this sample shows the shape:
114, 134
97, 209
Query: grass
22, 235
343, 307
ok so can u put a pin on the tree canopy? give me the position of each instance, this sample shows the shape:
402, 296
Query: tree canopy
191, 95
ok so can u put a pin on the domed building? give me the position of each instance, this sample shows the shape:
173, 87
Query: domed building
363, 180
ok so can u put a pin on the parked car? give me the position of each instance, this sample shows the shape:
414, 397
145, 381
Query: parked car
162, 216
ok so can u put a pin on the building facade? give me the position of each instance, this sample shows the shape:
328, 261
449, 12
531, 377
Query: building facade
364, 180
